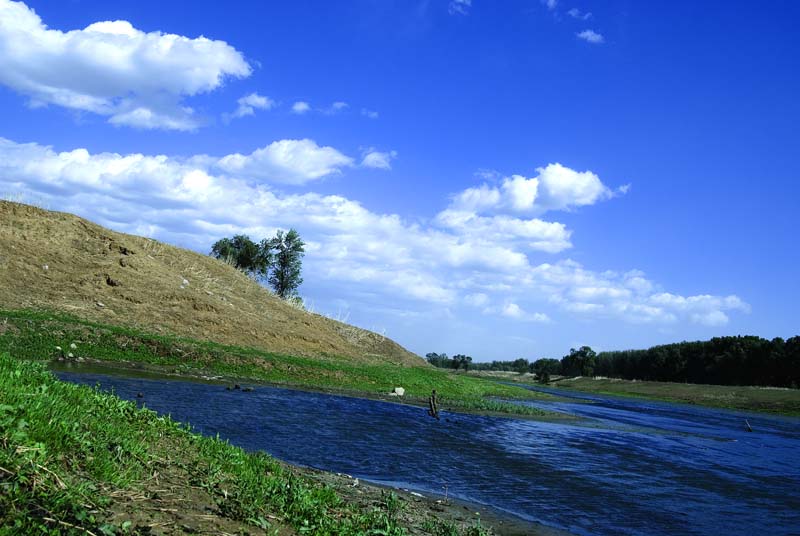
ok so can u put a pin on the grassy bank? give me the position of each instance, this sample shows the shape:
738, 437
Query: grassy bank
35, 335
77, 460
764, 399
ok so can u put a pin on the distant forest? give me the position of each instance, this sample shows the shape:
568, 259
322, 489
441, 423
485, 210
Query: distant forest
741, 360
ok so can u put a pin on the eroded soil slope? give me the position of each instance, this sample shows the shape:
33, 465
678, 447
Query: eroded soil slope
57, 261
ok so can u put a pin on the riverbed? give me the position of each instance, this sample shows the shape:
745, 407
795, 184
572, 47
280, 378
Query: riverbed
626, 467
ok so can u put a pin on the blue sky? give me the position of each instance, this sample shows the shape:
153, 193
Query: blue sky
503, 179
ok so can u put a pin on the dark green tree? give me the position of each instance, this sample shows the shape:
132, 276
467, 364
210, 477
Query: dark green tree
438, 360
285, 251
544, 368
243, 253
461, 361
520, 366
580, 362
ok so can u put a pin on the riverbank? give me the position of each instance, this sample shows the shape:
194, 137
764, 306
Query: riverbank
37, 336
79, 460
775, 400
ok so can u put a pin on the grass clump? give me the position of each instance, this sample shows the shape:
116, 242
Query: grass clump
34, 335
69, 453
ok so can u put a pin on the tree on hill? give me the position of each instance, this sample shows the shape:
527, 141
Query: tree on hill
242, 253
277, 260
286, 252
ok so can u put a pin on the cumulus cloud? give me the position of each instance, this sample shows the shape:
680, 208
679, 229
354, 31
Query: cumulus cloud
512, 310
378, 160
556, 187
286, 161
459, 7
453, 260
112, 69
576, 13
534, 234
630, 296
248, 105
301, 107
336, 107
590, 36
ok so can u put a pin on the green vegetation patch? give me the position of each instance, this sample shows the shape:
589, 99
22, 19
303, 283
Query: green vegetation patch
71, 455
35, 335
767, 399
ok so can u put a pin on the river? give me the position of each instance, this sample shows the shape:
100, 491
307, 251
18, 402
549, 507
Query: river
626, 467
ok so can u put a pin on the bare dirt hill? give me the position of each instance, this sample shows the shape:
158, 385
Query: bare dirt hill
59, 262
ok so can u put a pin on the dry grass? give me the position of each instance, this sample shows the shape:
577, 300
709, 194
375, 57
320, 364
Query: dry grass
60, 262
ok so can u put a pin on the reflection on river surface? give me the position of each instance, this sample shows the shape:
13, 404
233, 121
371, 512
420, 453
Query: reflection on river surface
629, 467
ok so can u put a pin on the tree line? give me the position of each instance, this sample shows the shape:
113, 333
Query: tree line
736, 360
276, 260
740, 360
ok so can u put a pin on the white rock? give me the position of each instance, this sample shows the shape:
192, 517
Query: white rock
45, 267
100, 304
69, 355
185, 282
399, 391
73, 346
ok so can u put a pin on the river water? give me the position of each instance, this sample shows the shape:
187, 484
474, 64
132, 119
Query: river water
626, 467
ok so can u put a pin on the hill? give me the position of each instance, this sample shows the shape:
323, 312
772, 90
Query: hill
56, 261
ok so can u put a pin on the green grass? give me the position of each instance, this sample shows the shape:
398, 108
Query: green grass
65, 448
768, 400
34, 336
437, 527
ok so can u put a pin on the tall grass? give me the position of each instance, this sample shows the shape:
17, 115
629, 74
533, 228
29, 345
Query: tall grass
64, 448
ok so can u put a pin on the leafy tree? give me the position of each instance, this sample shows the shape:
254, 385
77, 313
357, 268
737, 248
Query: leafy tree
580, 362
243, 253
438, 360
285, 251
461, 361
521, 365
544, 368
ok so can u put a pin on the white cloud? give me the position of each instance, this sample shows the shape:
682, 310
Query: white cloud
512, 310
301, 107
576, 13
590, 36
459, 7
550, 4
629, 296
535, 234
371, 114
248, 105
713, 318
456, 260
378, 160
338, 106
112, 69
556, 187
286, 161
